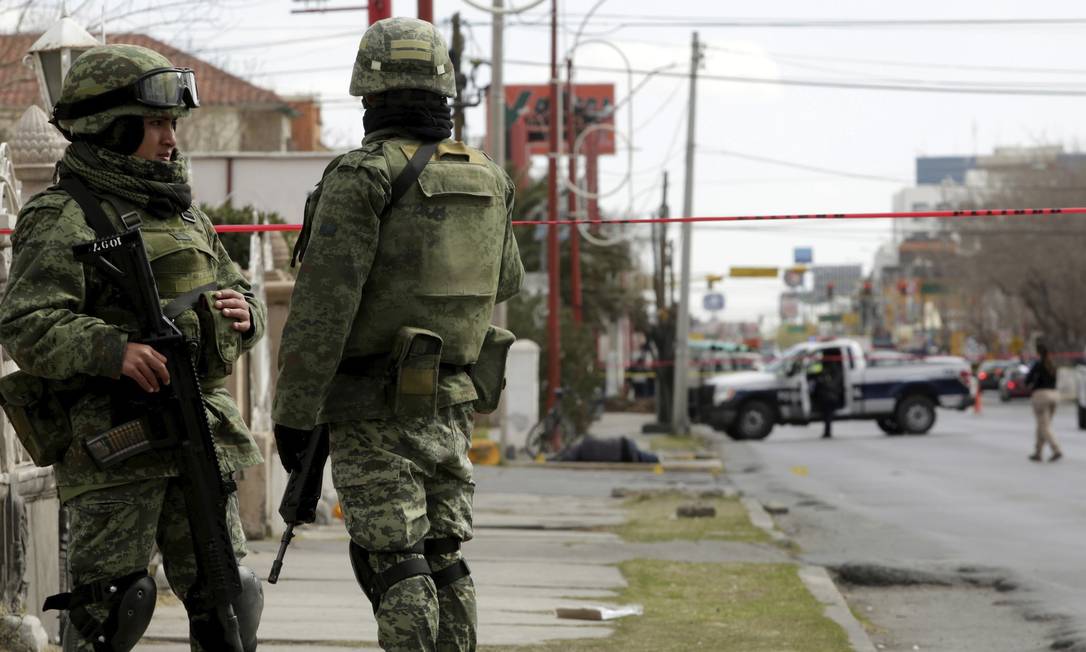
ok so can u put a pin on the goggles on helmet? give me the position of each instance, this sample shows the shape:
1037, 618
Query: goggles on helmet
162, 88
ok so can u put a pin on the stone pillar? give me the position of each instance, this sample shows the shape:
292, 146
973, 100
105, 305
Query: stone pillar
36, 146
521, 392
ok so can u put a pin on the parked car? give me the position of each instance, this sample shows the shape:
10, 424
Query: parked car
899, 392
990, 372
1013, 383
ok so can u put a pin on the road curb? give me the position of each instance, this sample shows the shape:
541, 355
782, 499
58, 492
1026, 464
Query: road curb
762, 520
817, 580
820, 584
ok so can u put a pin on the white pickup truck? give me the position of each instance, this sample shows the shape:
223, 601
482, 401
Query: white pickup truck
898, 391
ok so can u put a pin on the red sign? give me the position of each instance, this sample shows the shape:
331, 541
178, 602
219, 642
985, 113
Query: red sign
527, 111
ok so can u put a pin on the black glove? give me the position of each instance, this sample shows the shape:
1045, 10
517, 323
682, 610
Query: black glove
291, 444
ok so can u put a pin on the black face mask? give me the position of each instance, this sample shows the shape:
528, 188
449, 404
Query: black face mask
124, 135
422, 114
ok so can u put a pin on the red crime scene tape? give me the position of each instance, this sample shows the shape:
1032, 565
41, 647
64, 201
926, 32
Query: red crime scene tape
959, 214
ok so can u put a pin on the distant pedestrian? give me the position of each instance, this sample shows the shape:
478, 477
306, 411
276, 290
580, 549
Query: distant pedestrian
1044, 398
824, 378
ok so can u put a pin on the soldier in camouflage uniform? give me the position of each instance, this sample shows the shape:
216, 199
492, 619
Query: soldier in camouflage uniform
388, 281
66, 322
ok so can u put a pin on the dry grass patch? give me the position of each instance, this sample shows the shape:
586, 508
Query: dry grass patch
719, 607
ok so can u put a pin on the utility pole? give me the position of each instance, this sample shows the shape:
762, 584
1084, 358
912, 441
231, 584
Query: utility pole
554, 373
574, 232
497, 86
426, 10
663, 335
496, 126
455, 55
680, 421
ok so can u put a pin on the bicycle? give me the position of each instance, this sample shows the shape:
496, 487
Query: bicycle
555, 428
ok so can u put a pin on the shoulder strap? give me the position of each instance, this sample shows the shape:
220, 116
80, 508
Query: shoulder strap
92, 210
400, 186
410, 174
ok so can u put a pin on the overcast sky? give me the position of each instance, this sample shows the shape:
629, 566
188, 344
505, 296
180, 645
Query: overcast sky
876, 133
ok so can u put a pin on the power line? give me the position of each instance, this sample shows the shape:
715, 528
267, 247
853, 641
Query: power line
803, 166
952, 87
620, 22
907, 64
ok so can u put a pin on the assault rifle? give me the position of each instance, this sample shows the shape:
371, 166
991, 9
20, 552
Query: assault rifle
175, 421
299, 504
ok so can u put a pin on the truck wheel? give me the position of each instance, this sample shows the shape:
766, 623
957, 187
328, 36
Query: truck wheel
732, 432
889, 426
755, 421
915, 414
1082, 417
1004, 396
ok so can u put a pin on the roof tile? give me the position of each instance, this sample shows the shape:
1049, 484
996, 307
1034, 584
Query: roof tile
19, 88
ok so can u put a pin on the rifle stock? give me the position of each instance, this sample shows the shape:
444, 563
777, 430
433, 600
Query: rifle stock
299, 504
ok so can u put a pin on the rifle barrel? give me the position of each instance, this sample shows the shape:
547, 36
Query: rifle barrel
277, 565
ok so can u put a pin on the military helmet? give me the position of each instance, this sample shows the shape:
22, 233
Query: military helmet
111, 81
402, 53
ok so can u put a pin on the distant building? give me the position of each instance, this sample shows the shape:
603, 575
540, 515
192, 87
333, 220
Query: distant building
235, 115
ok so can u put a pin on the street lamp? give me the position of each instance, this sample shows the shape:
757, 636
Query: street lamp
53, 53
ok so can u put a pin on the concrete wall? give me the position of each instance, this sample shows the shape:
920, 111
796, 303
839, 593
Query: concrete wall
278, 182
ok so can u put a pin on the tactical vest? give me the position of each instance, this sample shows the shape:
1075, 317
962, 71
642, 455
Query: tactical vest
438, 255
183, 258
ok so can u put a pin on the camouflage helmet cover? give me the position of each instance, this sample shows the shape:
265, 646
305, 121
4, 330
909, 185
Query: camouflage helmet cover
106, 68
402, 53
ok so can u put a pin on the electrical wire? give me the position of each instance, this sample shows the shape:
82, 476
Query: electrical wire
801, 166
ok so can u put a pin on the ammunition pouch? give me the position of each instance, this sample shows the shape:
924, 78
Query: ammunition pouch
488, 372
220, 344
414, 368
38, 416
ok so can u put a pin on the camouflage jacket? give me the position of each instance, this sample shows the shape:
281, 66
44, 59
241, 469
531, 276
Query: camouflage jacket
65, 321
440, 260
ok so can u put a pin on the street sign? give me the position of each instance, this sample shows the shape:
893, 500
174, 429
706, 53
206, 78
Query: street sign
832, 318
754, 272
527, 114
793, 278
713, 302
801, 255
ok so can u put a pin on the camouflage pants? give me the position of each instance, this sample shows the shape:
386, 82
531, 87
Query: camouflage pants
401, 481
113, 532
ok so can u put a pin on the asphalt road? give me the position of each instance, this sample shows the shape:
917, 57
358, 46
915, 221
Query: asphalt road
963, 496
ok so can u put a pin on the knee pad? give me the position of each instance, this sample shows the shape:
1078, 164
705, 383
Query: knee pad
248, 606
131, 602
445, 576
375, 584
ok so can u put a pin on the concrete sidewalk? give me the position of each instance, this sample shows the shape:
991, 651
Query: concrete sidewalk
536, 547
521, 560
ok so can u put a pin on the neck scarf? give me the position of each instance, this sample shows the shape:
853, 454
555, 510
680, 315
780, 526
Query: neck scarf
159, 187
426, 121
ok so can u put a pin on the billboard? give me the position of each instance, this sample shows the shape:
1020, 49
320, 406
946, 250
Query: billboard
528, 106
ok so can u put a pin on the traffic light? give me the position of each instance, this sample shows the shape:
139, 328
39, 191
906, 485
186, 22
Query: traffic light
903, 287
379, 10
713, 278
829, 290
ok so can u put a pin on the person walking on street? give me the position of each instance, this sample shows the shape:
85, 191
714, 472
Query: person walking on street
407, 244
1044, 398
71, 327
